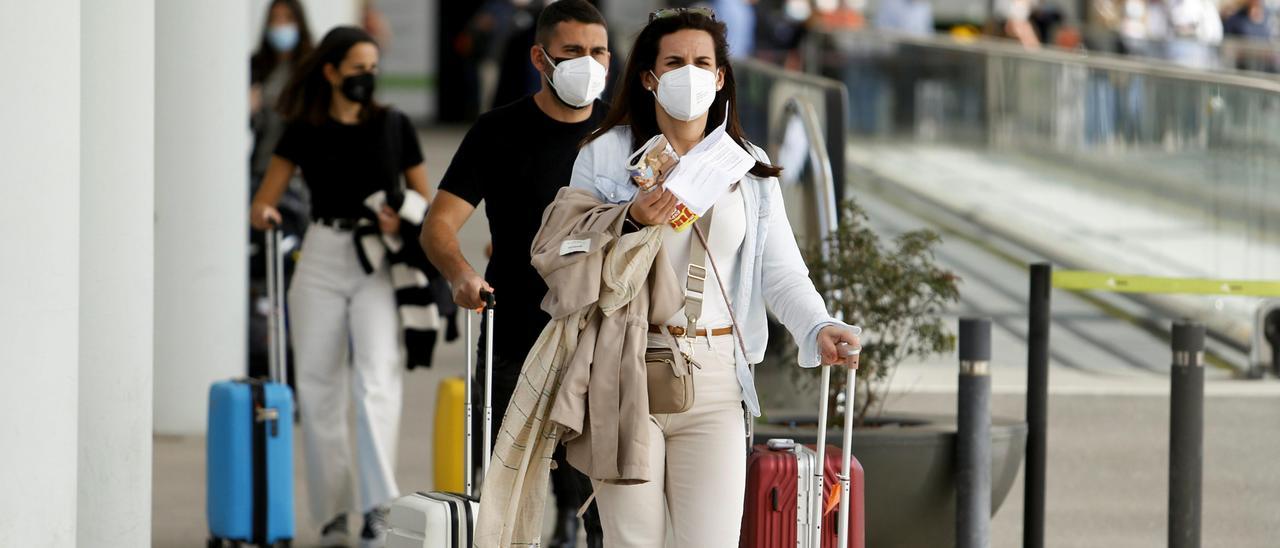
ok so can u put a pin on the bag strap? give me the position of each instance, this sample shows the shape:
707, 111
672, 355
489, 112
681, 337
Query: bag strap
737, 331
695, 283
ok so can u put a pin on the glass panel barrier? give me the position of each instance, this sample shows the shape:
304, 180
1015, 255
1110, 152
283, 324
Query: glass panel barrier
1099, 162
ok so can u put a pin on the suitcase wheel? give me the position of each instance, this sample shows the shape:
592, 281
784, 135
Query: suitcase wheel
220, 543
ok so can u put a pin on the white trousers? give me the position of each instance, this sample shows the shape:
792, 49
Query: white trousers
698, 459
346, 336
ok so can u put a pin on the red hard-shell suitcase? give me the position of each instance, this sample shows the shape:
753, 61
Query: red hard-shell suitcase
786, 499
774, 495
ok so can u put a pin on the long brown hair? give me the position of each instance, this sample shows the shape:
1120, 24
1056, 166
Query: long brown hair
635, 105
308, 93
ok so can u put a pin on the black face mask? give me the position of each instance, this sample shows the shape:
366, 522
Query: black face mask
359, 88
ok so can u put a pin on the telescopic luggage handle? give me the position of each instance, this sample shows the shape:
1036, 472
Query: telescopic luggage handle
817, 501
277, 355
487, 312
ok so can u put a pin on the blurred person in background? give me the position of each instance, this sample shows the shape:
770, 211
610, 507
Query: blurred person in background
840, 14
911, 17
1135, 34
1047, 19
1190, 29
739, 17
376, 24
517, 78
459, 94
1102, 25
285, 40
1017, 23
871, 77
1251, 20
343, 306
515, 159
1254, 21
780, 28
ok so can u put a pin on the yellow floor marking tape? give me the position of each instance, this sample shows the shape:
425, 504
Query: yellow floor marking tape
1080, 280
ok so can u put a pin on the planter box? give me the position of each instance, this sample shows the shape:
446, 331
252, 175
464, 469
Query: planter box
910, 476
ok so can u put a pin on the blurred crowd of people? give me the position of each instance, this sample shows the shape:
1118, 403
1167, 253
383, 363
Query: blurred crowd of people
1187, 32
1192, 33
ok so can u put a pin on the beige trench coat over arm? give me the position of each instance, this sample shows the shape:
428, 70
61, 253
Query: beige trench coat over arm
590, 268
603, 402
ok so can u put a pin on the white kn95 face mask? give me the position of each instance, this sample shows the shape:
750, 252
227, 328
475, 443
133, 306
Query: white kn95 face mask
577, 81
687, 92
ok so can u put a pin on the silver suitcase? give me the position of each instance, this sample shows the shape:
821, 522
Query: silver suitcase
447, 520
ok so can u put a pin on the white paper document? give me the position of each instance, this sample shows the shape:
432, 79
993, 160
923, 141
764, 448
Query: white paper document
706, 172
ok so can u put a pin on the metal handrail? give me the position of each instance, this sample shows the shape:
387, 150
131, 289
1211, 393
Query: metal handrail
828, 219
1087, 59
778, 73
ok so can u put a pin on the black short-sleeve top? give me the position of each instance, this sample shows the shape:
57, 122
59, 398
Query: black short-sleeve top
343, 164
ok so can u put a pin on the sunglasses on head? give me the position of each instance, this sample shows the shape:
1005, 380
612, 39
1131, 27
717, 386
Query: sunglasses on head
672, 12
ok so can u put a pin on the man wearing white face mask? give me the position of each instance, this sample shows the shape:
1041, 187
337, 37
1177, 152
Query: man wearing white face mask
515, 159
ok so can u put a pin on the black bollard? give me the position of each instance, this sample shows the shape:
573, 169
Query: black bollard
1186, 434
973, 436
1037, 405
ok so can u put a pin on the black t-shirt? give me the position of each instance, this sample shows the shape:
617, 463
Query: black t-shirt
343, 164
516, 158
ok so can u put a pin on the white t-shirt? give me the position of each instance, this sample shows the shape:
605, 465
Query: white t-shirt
728, 230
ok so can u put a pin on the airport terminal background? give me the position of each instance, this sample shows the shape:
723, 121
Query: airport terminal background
1124, 137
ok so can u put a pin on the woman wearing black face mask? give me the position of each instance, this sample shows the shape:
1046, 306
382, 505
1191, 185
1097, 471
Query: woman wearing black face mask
353, 153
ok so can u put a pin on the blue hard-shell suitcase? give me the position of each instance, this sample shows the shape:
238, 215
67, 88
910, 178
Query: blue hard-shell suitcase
249, 452
250, 462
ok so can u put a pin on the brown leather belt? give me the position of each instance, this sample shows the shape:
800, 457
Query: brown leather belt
679, 331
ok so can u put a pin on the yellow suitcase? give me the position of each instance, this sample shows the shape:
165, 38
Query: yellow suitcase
449, 436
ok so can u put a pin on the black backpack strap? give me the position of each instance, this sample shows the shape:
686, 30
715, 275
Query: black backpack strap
394, 128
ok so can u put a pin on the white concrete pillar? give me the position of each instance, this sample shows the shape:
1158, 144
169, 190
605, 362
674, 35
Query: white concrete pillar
117, 219
40, 276
201, 200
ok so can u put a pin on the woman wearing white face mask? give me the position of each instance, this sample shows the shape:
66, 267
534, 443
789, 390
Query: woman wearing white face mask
678, 83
